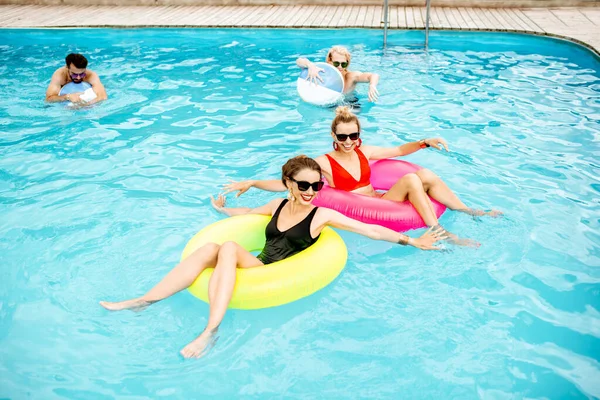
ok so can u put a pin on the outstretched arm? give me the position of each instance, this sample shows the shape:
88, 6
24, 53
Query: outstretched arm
379, 153
267, 209
376, 232
271, 185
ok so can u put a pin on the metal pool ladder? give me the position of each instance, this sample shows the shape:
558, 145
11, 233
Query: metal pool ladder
386, 22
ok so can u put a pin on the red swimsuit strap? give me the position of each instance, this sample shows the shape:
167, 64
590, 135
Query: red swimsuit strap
342, 178
365, 169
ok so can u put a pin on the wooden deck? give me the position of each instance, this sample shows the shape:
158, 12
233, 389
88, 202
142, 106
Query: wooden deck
579, 24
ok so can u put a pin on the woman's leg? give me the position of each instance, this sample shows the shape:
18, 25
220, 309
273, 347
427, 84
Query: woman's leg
179, 278
220, 289
437, 189
411, 187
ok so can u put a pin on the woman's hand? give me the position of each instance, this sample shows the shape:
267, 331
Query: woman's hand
373, 93
436, 142
313, 74
218, 203
241, 187
426, 241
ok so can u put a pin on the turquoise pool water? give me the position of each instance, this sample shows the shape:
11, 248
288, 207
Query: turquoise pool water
98, 204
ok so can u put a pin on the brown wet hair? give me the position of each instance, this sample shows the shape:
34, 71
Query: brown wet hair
297, 164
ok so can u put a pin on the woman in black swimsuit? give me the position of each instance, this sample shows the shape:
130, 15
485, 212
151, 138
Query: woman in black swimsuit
296, 224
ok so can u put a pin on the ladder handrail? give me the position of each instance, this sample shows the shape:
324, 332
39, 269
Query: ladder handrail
427, 4
385, 22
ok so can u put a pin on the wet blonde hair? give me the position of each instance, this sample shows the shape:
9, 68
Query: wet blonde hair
297, 164
343, 115
340, 50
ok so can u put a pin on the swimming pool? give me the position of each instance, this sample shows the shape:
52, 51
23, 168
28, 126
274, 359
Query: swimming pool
98, 204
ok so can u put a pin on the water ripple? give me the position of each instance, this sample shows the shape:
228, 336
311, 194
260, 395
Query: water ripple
98, 204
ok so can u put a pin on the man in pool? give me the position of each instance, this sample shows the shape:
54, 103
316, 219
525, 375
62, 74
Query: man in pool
340, 57
74, 71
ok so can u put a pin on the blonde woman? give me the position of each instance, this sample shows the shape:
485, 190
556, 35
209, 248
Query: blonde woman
340, 58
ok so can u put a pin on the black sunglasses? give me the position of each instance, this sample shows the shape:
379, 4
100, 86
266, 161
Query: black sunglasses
337, 64
77, 76
352, 136
304, 185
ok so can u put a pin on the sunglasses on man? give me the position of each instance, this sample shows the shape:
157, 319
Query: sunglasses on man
304, 185
77, 76
337, 64
352, 136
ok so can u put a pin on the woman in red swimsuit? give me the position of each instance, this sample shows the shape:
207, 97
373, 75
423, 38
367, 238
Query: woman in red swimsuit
347, 168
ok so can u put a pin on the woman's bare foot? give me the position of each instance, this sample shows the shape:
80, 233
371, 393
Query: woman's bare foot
494, 213
200, 346
138, 304
452, 238
481, 213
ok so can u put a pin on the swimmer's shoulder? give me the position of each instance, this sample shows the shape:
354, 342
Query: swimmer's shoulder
60, 75
91, 76
323, 162
353, 75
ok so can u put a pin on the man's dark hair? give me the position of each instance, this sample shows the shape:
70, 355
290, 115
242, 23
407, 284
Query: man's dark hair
77, 60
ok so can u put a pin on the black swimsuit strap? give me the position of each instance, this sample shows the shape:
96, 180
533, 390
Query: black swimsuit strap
308, 221
276, 215
311, 214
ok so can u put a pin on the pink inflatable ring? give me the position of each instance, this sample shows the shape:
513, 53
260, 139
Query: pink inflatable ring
374, 210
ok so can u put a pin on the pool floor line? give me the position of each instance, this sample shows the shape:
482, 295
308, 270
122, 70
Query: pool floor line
581, 25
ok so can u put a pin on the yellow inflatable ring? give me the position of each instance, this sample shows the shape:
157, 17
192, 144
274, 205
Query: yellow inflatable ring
274, 284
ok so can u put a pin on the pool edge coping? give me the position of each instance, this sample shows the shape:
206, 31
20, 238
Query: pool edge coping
594, 51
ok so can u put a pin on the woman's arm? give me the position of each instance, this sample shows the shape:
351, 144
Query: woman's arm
267, 209
303, 62
373, 80
272, 185
376, 232
379, 153
313, 70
